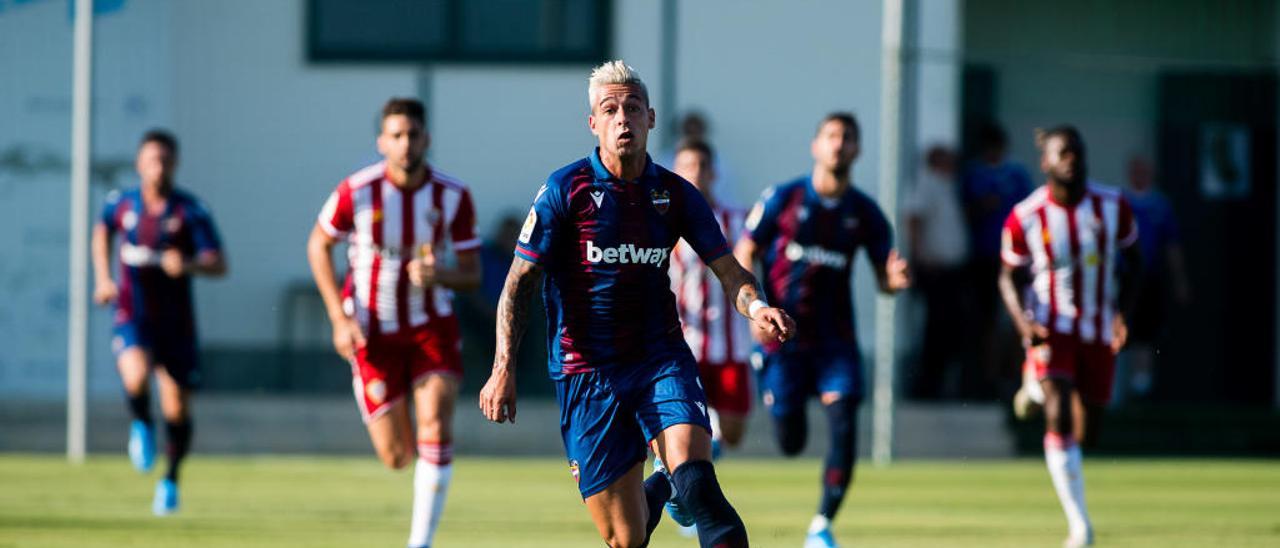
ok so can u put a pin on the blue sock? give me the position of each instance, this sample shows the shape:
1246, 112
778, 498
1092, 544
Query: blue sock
791, 432
139, 406
699, 493
837, 469
657, 491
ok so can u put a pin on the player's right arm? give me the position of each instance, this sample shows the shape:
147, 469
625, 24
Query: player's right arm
533, 249
336, 219
347, 336
1015, 254
498, 397
104, 287
760, 227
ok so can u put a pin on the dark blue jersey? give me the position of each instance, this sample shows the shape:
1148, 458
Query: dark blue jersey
148, 295
807, 245
605, 245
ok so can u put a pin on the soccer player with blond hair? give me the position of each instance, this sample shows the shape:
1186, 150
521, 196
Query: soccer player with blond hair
600, 235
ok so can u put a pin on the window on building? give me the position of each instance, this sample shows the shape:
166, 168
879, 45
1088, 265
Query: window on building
522, 31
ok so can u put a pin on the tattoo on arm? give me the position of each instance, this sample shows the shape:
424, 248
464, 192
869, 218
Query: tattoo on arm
513, 309
748, 292
739, 285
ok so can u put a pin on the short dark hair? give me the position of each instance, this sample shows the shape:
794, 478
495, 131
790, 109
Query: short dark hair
1065, 131
845, 117
699, 146
406, 106
161, 136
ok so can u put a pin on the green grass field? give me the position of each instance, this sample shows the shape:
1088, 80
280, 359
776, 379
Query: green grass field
321, 501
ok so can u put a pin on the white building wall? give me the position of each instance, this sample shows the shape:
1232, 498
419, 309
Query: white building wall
266, 134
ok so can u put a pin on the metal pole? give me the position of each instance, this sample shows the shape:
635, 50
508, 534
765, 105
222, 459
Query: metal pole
78, 274
670, 37
890, 161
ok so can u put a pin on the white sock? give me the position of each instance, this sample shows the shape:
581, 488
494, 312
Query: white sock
431, 478
1062, 457
715, 424
819, 523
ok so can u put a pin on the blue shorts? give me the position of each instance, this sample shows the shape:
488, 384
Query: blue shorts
608, 417
790, 377
171, 349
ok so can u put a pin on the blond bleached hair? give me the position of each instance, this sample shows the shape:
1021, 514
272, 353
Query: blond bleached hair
613, 73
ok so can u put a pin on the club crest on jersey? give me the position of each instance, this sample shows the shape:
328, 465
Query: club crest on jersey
173, 224
129, 220
661, 200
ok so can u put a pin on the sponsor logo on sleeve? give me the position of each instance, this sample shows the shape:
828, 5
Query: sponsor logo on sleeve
753, 218
530, 222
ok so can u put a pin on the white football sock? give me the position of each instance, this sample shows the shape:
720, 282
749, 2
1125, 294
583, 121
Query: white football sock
1062, 457
431, 478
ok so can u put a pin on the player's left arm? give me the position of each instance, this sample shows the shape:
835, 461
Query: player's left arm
744, 291
463, 276
466, 273
498, 397
1129, 277
890, 268
208, 259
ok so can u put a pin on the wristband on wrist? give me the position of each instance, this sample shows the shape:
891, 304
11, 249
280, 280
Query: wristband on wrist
754, 307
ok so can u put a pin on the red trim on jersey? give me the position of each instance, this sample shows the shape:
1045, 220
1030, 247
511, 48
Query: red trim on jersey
375, 228
1077, 272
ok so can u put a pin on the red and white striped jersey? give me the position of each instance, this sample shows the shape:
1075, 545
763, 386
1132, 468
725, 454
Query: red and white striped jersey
385, 227
1072, 254
715, 331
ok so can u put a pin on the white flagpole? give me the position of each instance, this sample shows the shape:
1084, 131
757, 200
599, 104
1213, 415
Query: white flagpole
890, 156
78, 274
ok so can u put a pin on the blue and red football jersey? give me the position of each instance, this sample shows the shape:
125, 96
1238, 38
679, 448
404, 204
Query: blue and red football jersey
148, 295
807, 246
605, 245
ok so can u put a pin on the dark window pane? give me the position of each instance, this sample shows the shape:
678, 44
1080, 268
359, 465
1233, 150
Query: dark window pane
379, 27
459, 30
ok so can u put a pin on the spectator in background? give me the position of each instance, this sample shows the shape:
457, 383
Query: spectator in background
1164, 276
939, 247
495, 255
480, 308
991, 186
